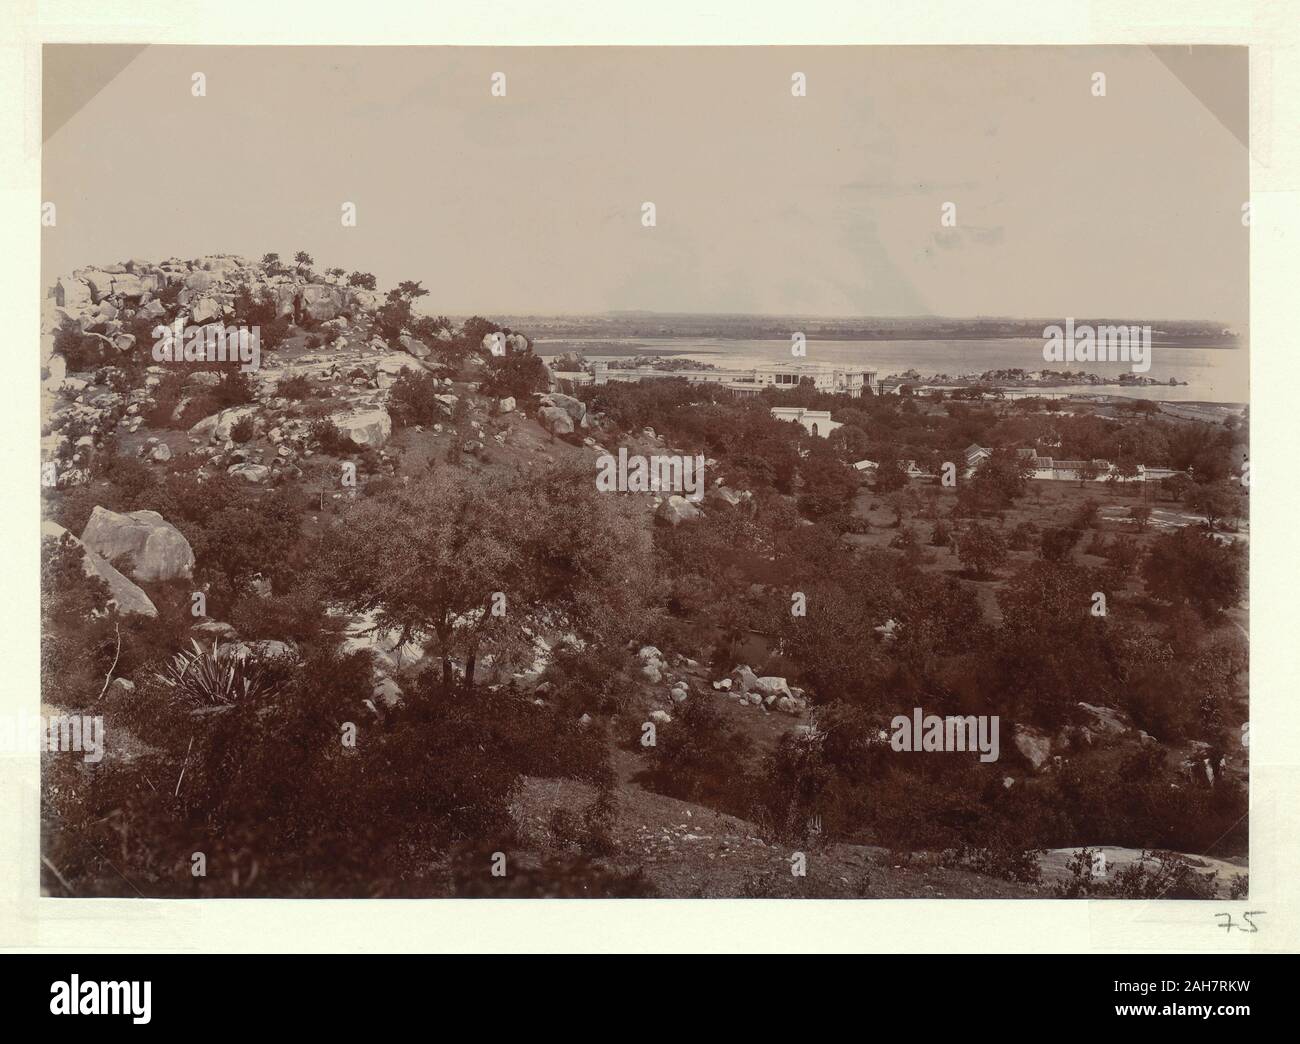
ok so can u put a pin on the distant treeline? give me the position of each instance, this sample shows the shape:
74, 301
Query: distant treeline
1191, 334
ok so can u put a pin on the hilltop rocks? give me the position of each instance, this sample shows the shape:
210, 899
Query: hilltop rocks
676, 510
506, 405
158, 549
123, 594
367, 428
204, 310
322, 302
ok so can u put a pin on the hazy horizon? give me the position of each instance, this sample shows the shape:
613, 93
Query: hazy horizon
767, 204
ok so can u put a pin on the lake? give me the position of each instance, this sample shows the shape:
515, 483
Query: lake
1211, 374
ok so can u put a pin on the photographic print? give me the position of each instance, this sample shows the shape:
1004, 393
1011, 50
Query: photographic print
635, 472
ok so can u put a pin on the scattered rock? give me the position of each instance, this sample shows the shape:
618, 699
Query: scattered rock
676, 510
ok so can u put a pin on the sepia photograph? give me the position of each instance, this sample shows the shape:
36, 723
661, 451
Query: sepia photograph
644, 472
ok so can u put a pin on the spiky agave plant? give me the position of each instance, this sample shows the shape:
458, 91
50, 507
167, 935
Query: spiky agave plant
219, 677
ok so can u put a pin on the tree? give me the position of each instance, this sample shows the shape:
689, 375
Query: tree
516, 374
1141, 516
1088, 470
1057, 542
1217, 501
1192, 567
890, 476
482, 562
997, 484
827, 485
981, 549
1051, 651
363, 280
242, 536
302, 259
407, 290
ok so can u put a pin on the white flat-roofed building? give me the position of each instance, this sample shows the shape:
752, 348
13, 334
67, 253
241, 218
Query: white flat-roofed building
815, 422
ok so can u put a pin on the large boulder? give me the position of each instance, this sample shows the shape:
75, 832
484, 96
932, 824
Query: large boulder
743, 679
396, 363
555, 420
286, 296
322, 302
1034, 745
205, 309
158, 550
676, 510
414, 346
771, 688
361, 299
367, 428
99, 281
123, 594
129, 286
575, 408
1105, 720
151, 309
74, 295
249, 472
220, 425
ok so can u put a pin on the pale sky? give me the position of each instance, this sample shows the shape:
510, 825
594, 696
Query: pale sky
1067, 204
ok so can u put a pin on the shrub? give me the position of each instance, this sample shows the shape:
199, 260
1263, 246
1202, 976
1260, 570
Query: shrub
243, 429
219, 677
412, 399
699, 757
299, 386
330, 440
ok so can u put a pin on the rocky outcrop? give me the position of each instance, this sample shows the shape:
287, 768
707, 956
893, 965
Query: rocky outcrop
157, 549
322, 302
